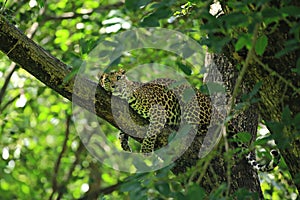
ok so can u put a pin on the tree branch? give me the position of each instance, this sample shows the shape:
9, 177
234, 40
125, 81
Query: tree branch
52, 72
11, 70
58, 161
30, 33
106, 190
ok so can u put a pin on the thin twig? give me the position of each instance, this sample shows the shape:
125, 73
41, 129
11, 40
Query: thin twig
60, 156
8, 103
11, 70
71, 170
76, 161
106, 190
3, 7
243, 71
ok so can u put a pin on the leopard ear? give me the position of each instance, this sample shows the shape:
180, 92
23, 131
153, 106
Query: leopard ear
102, 79
122, 71
100, 75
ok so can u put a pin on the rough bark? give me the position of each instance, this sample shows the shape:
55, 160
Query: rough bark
245, 121
52, 72
279, 90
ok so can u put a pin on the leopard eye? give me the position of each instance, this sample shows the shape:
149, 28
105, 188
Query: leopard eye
106, 79
119, 77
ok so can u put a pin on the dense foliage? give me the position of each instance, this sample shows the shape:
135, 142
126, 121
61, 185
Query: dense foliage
41, 153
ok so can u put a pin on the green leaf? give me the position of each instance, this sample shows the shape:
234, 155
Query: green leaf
255, 89
243, 193
163, 12
87, 45
244, 137
296, 121
152, 20
72, 74
290, 45
243, 41
25, 189
179, 195
218, 193
4, 185
297, 69
163, 188
291, 10
235, 19
275, 127
286, 116
195, 192
186, 69
135, 4
130, 186
261, 45
63, 33
262, 141
271, 13
251, 96
40, 3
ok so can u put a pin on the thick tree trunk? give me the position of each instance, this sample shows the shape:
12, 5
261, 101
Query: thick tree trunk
279, 90
246, 121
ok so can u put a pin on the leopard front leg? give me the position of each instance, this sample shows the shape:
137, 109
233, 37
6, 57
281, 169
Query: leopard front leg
157, 122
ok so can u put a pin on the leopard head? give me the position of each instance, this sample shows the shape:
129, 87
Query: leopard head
117, 83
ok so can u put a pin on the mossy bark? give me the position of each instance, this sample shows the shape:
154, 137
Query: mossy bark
52, 72
279, 90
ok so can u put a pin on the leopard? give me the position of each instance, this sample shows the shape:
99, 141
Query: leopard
162, 102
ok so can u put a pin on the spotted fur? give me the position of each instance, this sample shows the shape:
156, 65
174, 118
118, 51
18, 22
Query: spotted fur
162, 101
